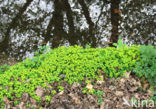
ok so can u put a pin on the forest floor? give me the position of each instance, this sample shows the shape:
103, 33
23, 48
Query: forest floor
117, 94
127, 92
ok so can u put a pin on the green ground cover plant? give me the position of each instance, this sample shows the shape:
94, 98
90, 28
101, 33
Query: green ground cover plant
99, 94
147, 65
69, 64
4, 68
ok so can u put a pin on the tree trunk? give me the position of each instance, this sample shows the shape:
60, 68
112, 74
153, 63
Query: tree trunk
91, 39
58, 32
4, 45
72, 36
115, 17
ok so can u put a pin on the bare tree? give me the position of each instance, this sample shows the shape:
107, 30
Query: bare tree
5, 43
91, 38
71, 36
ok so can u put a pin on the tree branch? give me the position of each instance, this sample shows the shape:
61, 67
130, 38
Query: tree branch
99, 15
91, 39
72, 36
5, 44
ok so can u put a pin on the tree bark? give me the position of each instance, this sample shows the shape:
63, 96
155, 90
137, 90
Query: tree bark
4, 45
58, 32
72, 36
115, 17
91, 39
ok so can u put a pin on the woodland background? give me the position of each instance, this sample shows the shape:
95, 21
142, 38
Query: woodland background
27, 24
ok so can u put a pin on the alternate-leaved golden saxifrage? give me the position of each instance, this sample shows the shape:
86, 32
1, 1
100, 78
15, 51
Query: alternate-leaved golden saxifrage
70, 64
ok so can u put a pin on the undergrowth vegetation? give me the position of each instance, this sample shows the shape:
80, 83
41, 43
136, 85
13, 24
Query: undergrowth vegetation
75, 64
147, 65
4, 68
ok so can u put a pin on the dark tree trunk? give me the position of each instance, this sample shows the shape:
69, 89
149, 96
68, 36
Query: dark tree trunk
72, 36
55, 29
115, 17
4, 45
91, 39
58, 32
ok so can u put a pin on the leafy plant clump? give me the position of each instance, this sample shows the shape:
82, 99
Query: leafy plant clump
147, 65
99, 94
69, 64
119, 44
4, 68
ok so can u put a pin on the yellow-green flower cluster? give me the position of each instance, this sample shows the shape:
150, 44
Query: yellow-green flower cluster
70, 64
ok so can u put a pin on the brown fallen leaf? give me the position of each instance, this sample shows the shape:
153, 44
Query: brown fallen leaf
33, 101
119, 93
75, 84
102, 106
122, 80
39, 91
107, 91
133, 89
136, 96
112, 88
145, 85
76, 99
100, 82
60, 93
150, 92
89, 86
20, 106
25, 97
5, 99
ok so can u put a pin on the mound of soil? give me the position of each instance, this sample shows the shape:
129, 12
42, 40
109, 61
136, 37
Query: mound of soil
117, 95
